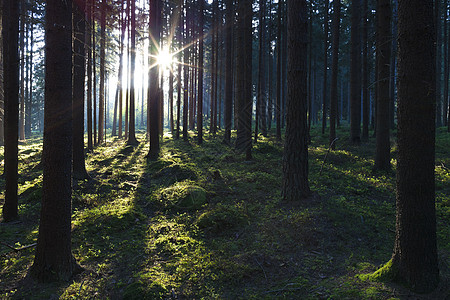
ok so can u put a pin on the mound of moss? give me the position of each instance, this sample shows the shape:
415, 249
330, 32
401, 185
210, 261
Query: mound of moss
221, 218
182, 195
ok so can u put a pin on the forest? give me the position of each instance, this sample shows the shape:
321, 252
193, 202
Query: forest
224, 149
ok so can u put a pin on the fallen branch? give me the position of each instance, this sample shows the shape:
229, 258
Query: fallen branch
326, 155
444, 167
16, 249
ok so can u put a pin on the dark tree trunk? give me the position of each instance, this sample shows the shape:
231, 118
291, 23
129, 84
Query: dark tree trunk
118, 100
279, 83
29, 78
228, 70
53, 259
94, 77
132, 126
446, 67
244, 77
383, 146
365, 73
261, 96
186, 79
334, 72
89, 24
10, 34
79, 28
393, 74
22, 71
437, 11
101, 102
355, 75
200, 75
154, 95
295, 184
325, 70
415, 260
2, 87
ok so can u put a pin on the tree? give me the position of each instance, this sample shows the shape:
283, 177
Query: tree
325, 69
228, 70
101, 101
89, 25
295, 184
365, 73
154, 97
2, 98
53, 259
278, 100
10, 33
200, 75
78, 23
334, 72
23, 12
131, 128
415, 261
355, 75
383, 147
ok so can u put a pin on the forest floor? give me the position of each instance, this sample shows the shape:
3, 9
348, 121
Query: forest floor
200, 222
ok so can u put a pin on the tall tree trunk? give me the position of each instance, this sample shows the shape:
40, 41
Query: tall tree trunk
29, 79
101, 102
446, 65
415, 259
334, 72
325, 69
393, 66
295, 184
355, 74
94, 76
365, 73
2, 87
154, 96
89, 46
384, 35
200, 74
78, 77
11, 65
118, 100
22, 71
278, 101
186, 77
228, 70
132, 126
437, 8
53, 259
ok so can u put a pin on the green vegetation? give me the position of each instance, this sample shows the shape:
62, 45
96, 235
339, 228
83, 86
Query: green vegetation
200, 222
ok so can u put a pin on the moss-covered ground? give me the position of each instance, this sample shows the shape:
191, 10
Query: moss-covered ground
202, 223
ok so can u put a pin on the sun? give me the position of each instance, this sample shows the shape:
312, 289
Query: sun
165, 59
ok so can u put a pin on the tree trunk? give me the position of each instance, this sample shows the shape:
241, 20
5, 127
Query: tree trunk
200, 75
186, 78
2, 87
261, 97
132, 126
22, 71
334, 72
415, 260
11, 65
244, 77
325, 69
53, 259
355, 74
228, 70
437, 7
384, 35
365, 74
295, 184
278, 101
101, 102
78, 77
154, 96
89, 24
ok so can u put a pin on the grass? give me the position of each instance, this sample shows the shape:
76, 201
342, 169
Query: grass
200, 222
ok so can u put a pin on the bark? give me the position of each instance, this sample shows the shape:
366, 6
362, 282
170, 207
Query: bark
186, 81
295, 184
10, 33
365, 74
79, 28
200, 75
244, 77
29, 98
53, 259
22, 71
437, 8
101, 102
325, 70
278, 101
89, 24
383, 147
334, 72
2, 87
261, 99
228, 70
154, 95
132, 126
414, 260
355, 74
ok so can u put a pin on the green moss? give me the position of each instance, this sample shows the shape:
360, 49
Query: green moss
385, 273
182, 195
221, 218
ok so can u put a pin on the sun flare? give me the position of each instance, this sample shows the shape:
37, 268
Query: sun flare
165, 59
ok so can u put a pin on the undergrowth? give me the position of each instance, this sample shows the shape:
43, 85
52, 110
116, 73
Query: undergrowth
201, 222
